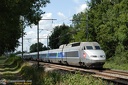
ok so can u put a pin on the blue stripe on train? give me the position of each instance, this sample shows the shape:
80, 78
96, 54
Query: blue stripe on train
58, 55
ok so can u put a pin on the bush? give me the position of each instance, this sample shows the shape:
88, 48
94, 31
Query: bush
57, 78
34, 74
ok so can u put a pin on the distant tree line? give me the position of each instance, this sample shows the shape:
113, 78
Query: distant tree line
42, 47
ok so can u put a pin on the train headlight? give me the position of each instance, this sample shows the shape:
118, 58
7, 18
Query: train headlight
94, 56
84, 55
102, 56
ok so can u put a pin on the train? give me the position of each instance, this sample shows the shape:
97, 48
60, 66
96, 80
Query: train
85, 54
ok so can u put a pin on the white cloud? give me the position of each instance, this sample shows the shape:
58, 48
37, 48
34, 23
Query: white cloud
46, 15
31, 33
46, 24
81, 8
60, 14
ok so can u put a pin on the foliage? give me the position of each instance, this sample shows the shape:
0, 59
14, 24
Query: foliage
2, 60
112, 65
19, 52
34, 74
59, 78
13, 62
79, 27
11, 24
61, 35
10, 60
42, 47
39, 77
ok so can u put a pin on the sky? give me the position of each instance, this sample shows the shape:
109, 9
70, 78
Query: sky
62, 11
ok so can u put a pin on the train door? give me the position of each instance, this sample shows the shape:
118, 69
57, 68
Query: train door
64, 58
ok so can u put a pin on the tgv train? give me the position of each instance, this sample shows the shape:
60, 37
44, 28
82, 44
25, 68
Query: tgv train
87, 54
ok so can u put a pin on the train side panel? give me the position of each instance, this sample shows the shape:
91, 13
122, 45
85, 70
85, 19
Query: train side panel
72, 55
55, 55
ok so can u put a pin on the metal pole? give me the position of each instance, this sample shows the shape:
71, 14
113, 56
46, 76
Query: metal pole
87, 26
22, 42
47, 40
22, 27
38, 41
38, 44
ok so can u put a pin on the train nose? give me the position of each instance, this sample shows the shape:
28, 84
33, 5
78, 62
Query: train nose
96, 53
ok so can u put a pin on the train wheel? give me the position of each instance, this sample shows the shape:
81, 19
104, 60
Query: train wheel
66, 63
80, 63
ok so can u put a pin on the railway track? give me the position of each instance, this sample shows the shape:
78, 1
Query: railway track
119, 77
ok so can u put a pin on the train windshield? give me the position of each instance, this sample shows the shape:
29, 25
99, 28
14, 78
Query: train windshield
97, 47
93, 47
89, 47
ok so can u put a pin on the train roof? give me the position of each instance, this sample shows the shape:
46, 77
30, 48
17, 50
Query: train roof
74, 44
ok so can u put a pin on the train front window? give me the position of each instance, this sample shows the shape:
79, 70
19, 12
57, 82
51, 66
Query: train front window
97, 47
89, 47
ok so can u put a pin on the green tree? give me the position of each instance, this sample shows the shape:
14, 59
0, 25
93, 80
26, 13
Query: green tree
80, 27
42, 47
61, 35
10, 25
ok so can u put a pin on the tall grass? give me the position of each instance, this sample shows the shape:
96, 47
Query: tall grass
55, 78
34, 74
13, 63
2, 59
119, 62
113, 65
39, 77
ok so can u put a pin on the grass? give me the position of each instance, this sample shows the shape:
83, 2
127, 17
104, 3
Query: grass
39, 77
119, 62
2, 59
12, 64
33, 73
113, 65
59, 78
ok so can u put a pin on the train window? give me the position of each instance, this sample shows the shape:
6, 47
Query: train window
89, 47
97, 47
43, 55
52, 54
71, 54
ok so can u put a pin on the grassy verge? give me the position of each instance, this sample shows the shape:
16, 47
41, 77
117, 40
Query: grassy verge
12, 61
113, 65
39, 77
2, 59
55, 78
12, 64
119, 62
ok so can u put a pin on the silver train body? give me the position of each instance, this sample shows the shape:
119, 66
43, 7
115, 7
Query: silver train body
87, 54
